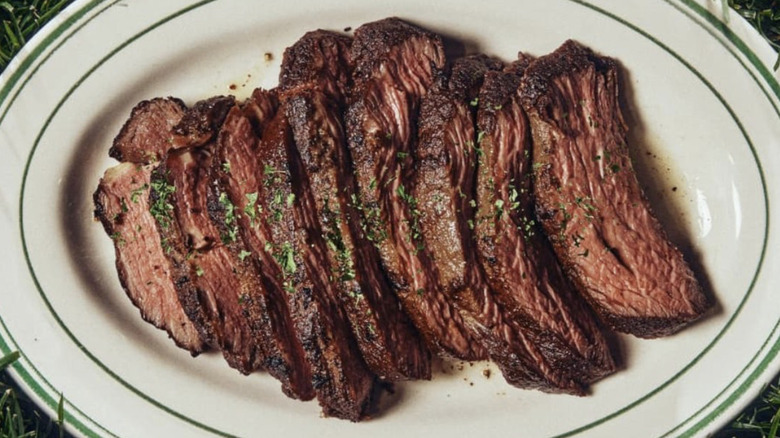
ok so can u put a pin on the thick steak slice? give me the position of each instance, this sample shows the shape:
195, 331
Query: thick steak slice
591, 204
236, 169
121, 205
148, 134
394, 66
315, 71
342, 382
521, 269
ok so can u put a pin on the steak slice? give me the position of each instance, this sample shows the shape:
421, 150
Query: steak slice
218, 285
235, 166
148, 133
121, 205
315, 71
394, 66
342, 382
566, 342
590, 202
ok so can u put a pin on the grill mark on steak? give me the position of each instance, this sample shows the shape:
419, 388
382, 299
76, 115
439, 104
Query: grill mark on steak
591, 204
394, 65
315, 72
560, 331
147, 135
342, 382
121, 205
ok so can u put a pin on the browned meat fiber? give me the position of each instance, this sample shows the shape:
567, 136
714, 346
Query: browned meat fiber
384, 205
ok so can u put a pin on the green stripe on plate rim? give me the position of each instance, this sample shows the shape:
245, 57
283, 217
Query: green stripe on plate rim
54, 313
24, 369
763, 365
740, 45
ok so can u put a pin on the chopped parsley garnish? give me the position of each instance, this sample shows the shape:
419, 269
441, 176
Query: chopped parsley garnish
415, 233
161, 208
344, 269
230, 219
244, 254
251, 209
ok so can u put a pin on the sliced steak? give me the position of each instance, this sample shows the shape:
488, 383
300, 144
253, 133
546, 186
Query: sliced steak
568, 345
591, 204
394, 66
148, 133
314, 74
236, 168
443, 176
218, 285
121, 205
343, 383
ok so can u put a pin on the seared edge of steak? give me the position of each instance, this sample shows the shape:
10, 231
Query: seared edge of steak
520, 267
147, 135
591, 204
200, 124
320, 58
342, 382
236, 167
121, 205
395, 65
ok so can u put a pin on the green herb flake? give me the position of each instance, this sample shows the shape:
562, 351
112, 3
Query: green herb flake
244, 254
251, 209
231, 223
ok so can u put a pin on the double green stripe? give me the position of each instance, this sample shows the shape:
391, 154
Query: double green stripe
80, 18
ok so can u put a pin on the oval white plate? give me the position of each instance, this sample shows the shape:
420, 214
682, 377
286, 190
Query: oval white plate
703, 106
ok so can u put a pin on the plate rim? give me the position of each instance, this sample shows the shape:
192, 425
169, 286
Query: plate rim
77, 14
